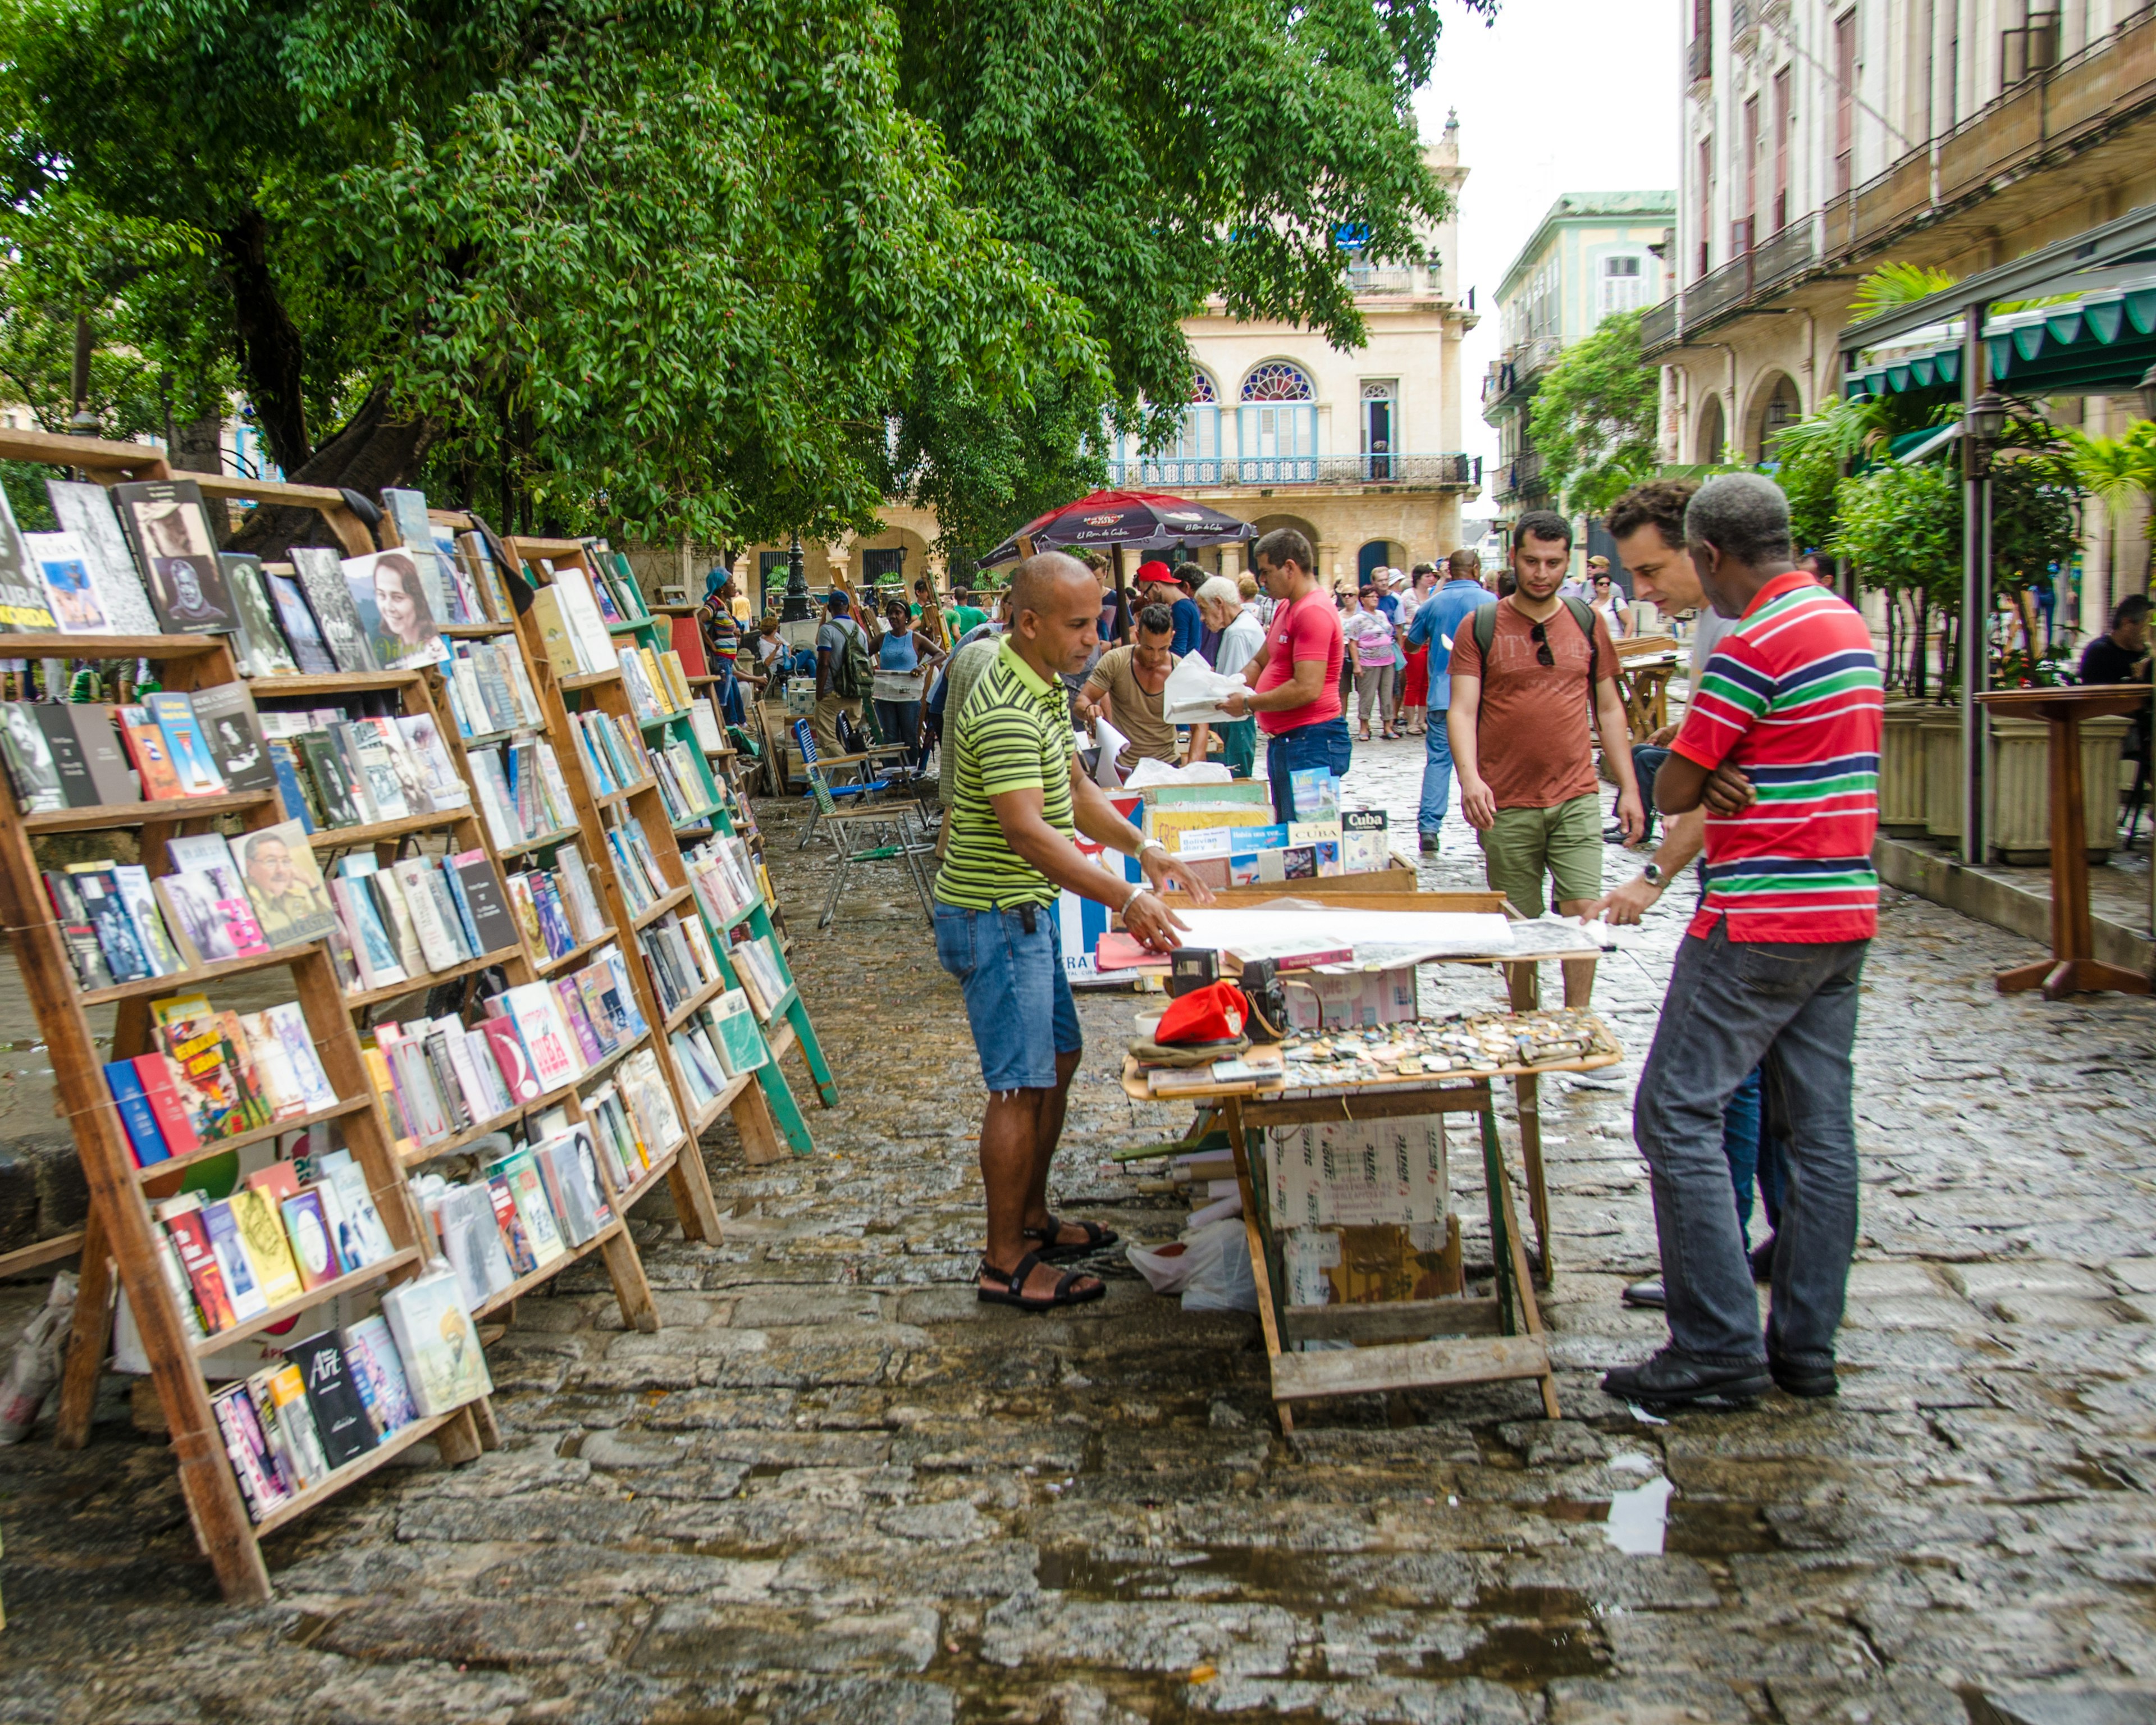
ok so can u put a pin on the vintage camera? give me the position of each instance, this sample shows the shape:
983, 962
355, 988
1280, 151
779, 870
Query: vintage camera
1261, 984
1190, 967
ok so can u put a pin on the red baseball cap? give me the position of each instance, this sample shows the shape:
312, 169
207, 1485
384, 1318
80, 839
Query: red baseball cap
1216, 1013
1154, 570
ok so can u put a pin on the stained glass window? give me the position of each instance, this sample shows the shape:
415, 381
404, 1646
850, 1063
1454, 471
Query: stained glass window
1277, 380
1201, 389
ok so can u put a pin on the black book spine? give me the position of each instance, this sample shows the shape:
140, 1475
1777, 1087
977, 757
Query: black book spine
76, 784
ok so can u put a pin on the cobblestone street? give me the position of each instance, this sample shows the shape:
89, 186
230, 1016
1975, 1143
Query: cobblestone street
834, 1488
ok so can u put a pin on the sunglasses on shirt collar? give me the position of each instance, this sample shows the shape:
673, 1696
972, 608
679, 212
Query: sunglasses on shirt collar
1539, 634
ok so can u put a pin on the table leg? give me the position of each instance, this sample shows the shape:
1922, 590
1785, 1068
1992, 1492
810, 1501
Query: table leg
1527, 1096
1510, 1251
1231, 1111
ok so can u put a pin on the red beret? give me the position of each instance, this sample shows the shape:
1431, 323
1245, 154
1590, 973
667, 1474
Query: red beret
1216, 1013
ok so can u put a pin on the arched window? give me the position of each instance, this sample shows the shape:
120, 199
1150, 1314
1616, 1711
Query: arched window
1201, 389
1277, 380
1278, 424
1194, 459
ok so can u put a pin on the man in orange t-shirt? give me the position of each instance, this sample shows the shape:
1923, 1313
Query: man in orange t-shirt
1522, 742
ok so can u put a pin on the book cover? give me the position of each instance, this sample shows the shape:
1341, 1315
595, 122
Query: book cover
314, 1252
84, 509
295, 786
408, 513
233, 1264
513, 1059
145, 747
437, 779
259, 644
377, 1372
472, 1243
540, 1227
62, 568
570, 999
98, 740
438, 945
592, 988
32, 771
296, 620
190, 1236
374, 953
341, 1417
247, 1449
136, 1114
296, 1425
443, 1360
158, 1075
290, 1025
185, 746
132, 882
739, 1041
514, 1241
574, 1222
269, 1252
167, 525
284, 884
321, 575
208, 915
22, 607
226, 713
362, 1239
107, 912
388, 594
334, 787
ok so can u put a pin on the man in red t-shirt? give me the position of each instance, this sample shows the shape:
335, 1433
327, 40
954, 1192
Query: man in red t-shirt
1294, 677
1522, 723
1782, 744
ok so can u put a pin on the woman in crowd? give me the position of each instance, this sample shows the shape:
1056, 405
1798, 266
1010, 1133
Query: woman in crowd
1370, 639
1414, 688
904, 658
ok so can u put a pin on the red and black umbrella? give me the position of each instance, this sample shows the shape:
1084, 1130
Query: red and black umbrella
1147, 521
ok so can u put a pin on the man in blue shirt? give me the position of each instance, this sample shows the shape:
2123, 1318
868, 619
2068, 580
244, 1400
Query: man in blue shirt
1441, 618
1189, 620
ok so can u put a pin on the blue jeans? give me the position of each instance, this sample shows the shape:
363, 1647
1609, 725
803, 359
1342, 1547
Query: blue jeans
1017, 998
1324, 744
899, 721
1436, 773
1646, 762
1741, 1148
1789, 1009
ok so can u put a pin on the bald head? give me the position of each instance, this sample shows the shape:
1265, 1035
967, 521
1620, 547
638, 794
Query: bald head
1055, 613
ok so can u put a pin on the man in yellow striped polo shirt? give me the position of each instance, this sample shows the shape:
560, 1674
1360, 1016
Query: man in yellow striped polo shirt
1019, 796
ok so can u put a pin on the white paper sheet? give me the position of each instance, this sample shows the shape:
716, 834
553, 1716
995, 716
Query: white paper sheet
1195, 691
1438, 934
1150, 771
1112, 743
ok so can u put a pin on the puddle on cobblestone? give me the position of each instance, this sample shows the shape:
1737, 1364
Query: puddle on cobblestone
1526, 1653
1692, 1529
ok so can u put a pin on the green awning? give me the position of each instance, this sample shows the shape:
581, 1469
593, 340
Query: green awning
2099, 347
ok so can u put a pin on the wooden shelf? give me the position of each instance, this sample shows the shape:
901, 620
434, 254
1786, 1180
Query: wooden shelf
550, 966
616, 799
589, 679
469, 631
650, 1177
335, 1482
600, 1068
257, 1135
560, 835
660, 907
380, 832
379, 1271
144, 813
428, 979
471, 1135
194, 978
56, 646
675, 610
546, 1272
687, 1009
331, 682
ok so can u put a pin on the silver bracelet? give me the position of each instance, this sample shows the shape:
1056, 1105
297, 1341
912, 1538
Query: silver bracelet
1138, 890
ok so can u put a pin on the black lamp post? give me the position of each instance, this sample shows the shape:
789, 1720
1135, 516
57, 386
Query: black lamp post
797, 608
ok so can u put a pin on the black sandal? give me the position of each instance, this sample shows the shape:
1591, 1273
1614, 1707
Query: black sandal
1014, 1283
1055, 1251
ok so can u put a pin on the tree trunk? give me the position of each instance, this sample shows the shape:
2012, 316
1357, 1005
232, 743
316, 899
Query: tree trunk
375, 448
1919, 663
272, 358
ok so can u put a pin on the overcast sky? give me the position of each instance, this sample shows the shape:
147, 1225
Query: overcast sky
1557, 95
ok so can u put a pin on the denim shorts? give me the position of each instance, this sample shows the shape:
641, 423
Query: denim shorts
1018, 1000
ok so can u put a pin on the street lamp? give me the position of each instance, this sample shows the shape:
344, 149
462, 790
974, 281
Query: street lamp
1981, 426
797, 616
2147, 391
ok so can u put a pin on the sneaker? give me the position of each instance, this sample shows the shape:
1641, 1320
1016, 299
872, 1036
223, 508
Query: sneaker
1809, 1382
1671, 1381
1646, 1293
1763, 1261
1429, 843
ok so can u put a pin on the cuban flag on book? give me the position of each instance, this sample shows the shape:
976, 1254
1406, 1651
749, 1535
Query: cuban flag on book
1079, 923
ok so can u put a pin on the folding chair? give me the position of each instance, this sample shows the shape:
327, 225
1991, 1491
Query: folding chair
884, 825
826, 795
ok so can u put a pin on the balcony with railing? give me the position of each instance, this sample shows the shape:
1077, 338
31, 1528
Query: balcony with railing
1756, 271
1447, 471
1521, 476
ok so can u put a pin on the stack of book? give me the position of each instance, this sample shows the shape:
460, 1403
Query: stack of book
274, 1238
657, 685
556, 908
763, 977
613, 751
415, 917
572, 627
66, 755
678, 953
720, 1043
487, 690
724, 876
215, 1075
635, 1119
683, 785
456, 570
333, 771
339, 1393
522, 792
643, 883
530, 1207
619, 600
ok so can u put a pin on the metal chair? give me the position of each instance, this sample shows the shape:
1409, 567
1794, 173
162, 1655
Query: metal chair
885, 828
824, 794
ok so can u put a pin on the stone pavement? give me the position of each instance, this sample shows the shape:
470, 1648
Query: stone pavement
834, 1488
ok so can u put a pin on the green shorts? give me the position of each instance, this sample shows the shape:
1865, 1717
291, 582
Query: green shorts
1562, 844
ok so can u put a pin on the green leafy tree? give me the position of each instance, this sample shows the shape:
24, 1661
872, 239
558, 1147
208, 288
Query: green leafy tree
1593, 418
1903, 526
729, 270
1893, 285
2118, 472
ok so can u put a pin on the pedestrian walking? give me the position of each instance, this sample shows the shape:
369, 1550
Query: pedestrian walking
1369, 635
1295, 675
1241, 636
903, 661
1020, 798
1431, 633
1767, 973
843, 672
1528, 673
1647, 522
1414, 671
1608, 600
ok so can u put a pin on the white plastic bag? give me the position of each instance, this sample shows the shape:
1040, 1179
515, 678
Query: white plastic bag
1219, 1278
35, 1367
1195, 692
1166, 1267
1150, 771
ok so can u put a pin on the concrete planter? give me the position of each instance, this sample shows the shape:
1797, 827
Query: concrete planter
1901, 811
2022, 787
1939, 728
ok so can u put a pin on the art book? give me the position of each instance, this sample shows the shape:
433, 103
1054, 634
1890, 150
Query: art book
260, 644
443, 1362
226, 713
296, 618
185, 746
62, 566
83, 508
321, 575
377, 1372
390, 598
284, 884
169, 529
28, 752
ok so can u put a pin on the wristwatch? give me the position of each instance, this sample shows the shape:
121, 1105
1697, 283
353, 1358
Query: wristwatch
1139, 856
1651, 873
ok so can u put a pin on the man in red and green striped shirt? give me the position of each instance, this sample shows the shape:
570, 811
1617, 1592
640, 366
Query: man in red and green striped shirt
1782, 744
